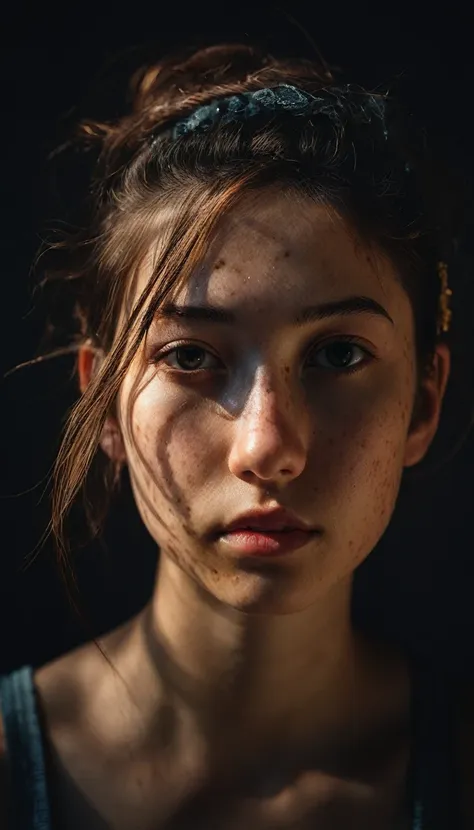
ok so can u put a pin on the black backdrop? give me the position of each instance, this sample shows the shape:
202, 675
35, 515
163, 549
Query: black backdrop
417, 585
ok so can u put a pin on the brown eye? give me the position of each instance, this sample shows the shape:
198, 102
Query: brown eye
188, 358
340, 355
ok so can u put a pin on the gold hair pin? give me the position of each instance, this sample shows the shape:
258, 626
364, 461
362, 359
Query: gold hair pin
444, 312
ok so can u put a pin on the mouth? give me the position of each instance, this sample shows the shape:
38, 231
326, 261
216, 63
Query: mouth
249, 541
266, 531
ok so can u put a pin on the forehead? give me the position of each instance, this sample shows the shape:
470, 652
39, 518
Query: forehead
282, 247
289, 247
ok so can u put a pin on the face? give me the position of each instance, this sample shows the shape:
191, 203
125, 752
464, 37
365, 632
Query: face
271, 406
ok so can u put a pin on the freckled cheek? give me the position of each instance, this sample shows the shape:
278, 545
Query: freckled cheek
361, 486
360, 449
176, 441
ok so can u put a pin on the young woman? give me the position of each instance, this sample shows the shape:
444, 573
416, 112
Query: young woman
263, 306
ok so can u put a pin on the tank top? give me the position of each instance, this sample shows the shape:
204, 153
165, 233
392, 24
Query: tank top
432, 784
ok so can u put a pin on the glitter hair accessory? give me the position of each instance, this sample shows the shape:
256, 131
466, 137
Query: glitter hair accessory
347, 100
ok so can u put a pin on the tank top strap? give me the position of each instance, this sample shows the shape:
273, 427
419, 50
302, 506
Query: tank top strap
434, 778
28, 802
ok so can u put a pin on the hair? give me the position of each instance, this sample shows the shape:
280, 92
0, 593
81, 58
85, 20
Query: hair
375, 172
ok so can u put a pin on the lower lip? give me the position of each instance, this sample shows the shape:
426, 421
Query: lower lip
253, 543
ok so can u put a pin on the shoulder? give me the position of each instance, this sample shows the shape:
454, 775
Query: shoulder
3, 777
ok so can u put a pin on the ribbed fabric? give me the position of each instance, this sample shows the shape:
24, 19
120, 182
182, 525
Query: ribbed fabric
29, 802
433, 782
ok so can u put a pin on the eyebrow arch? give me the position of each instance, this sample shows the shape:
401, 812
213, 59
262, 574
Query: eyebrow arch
213, 314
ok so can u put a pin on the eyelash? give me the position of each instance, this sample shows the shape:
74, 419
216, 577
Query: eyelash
368, 356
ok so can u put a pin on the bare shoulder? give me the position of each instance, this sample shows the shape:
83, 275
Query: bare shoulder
73, 695
62, 688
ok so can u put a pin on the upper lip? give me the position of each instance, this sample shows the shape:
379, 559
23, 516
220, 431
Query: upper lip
275, 519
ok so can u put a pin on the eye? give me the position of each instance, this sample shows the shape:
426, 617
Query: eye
188, 358
342, 355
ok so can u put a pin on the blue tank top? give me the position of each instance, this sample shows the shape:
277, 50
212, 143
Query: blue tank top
433, 779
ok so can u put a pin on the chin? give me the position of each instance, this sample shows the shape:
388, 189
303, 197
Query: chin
265, 592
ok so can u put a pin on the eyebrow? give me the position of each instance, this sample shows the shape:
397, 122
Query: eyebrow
213, 314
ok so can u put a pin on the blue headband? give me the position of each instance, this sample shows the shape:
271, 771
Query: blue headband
335, 103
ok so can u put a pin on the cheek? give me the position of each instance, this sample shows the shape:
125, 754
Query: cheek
171, 454
358, 468
366, 451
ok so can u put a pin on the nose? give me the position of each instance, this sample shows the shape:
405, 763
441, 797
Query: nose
270, 442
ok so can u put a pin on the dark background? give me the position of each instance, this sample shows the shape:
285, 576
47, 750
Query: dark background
417, 586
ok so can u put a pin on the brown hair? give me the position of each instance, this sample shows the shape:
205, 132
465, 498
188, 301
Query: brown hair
372, 171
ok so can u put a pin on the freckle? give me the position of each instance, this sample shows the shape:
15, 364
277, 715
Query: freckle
286, 254
219, 264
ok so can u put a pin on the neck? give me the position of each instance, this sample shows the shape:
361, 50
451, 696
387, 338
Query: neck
256, 673
212, 687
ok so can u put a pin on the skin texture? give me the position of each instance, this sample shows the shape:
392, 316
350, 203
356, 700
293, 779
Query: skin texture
234, 656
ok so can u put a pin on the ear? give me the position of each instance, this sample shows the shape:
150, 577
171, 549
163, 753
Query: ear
425, 420
111, 442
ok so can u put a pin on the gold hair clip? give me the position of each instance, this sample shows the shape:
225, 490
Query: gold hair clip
444, 312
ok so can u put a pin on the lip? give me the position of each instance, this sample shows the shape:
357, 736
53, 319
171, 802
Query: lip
266, 543
267, 521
